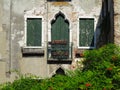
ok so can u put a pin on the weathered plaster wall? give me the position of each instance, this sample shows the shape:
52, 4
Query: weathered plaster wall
3, 47
117, 21
13, 39
17, 38
13, 31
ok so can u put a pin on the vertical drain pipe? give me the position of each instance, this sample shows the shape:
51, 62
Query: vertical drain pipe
9, 34
47, 33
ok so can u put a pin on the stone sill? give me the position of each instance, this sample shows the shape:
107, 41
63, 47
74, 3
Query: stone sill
32, 51
56, 61
60, 3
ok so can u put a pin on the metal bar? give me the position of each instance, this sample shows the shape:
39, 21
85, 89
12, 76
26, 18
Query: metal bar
59, 52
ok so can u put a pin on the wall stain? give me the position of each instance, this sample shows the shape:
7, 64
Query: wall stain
60, 3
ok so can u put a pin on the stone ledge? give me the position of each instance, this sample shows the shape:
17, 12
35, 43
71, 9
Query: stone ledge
32, 51
56, 61
60, 3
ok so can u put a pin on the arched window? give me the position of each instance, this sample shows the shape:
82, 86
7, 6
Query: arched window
60, 37
60, 28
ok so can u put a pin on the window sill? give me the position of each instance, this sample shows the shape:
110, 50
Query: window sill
26, 51
86, 47
62, 61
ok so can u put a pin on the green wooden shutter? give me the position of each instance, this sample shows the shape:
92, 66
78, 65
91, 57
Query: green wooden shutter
60, 31
34, 31
86, 32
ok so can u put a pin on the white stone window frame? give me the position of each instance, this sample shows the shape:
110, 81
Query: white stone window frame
95, 23
25, 36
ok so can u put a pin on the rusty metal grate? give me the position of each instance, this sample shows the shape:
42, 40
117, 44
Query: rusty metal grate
59, 50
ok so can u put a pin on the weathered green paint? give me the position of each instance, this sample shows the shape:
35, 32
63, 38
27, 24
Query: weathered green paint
86, 29
60, 31
34, 31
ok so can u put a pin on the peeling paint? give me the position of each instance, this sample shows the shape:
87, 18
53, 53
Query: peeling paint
21, 43
13, 36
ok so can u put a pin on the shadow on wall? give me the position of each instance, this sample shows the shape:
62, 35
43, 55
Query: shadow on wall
105, 23
103, 33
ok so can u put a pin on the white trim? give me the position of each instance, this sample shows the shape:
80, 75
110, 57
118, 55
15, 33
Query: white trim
87, 47
25, 36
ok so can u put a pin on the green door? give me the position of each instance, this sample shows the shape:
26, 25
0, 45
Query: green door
60, 38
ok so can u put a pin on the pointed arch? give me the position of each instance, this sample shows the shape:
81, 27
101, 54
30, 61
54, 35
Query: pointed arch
60, 33
57, 15
60, 27
59, 71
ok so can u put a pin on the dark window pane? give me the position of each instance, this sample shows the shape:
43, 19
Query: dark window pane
34, 31
86, 32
